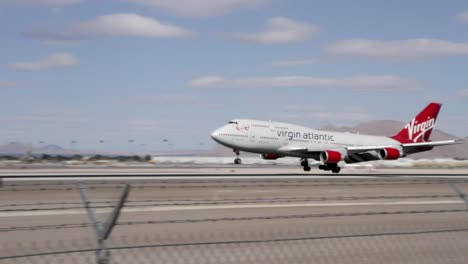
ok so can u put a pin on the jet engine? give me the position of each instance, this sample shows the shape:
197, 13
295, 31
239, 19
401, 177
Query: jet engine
390, 154
331, 156
270, 156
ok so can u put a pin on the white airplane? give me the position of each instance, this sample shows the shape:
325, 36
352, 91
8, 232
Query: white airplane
274, 140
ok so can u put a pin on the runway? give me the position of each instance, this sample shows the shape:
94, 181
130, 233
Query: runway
248, 218
217, 171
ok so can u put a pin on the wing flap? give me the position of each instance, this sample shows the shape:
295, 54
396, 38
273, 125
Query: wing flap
293, 149
435, 143
361, 149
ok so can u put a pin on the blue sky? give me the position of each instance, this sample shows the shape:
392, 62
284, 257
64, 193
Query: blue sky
151, 70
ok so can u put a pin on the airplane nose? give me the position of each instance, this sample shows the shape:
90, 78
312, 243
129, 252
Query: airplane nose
215, 134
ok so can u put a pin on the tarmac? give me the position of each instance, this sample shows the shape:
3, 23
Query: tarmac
238, 215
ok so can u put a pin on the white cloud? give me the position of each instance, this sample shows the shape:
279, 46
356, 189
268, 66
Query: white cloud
358, 82
7, 84
56, 60
200, 8
341, 116
410, 48
144, 125
323, 117
317, 112
51, 118
463, 17
166, 99
280, 30
463, 93
303, 108
207, 81
294, 62
49, 37
125, 24
41, 2
112, 25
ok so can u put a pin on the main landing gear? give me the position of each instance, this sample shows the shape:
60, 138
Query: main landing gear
237, 160
330, 167
305, 164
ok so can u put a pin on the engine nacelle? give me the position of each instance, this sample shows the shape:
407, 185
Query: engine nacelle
270, 156
331, 156
389, 154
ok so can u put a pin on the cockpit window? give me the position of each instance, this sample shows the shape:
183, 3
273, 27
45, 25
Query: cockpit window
232, 122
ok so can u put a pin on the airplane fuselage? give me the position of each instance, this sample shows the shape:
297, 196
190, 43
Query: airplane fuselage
267, 137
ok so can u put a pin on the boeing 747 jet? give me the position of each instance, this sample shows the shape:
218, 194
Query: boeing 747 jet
274, 140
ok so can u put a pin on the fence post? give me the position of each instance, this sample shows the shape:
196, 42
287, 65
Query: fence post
103, 230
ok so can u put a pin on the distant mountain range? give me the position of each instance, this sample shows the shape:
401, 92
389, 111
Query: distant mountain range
22, 149
380, 128
384, 128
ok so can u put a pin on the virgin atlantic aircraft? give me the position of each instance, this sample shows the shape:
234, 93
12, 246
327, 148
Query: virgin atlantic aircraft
275, 140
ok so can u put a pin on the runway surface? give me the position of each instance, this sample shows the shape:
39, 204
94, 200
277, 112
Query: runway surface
268, 217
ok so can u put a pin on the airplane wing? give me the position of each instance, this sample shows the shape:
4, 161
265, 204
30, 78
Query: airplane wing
357, 154
361, 149
367, 153
294, 149
408, 148
299, 151
436, 143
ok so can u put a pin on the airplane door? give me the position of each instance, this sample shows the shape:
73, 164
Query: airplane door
251, 135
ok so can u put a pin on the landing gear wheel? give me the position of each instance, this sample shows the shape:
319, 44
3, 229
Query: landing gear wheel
330, 167
237, 160
305, 164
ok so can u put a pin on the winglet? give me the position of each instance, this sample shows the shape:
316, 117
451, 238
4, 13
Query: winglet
462, 140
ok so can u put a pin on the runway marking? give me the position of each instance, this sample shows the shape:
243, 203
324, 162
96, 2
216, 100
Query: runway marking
156, 178
221, 207
214, 177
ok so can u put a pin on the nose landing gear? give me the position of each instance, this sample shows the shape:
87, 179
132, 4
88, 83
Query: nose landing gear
237, 160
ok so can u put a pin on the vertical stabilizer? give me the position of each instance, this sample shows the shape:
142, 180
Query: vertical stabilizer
420, 127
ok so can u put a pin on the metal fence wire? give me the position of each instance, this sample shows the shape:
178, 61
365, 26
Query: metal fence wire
381, 245
409, 233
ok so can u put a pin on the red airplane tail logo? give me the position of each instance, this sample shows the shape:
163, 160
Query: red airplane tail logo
420, 127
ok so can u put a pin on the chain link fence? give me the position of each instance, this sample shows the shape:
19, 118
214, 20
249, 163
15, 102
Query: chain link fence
381, 245
408, 233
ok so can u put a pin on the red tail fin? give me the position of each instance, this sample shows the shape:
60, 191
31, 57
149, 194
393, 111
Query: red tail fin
419, 129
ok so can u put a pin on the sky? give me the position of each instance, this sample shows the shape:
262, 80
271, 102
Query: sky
165, 73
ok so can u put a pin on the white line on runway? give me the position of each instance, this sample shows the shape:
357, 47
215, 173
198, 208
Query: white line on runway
221, 207
214, 177
156, 178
